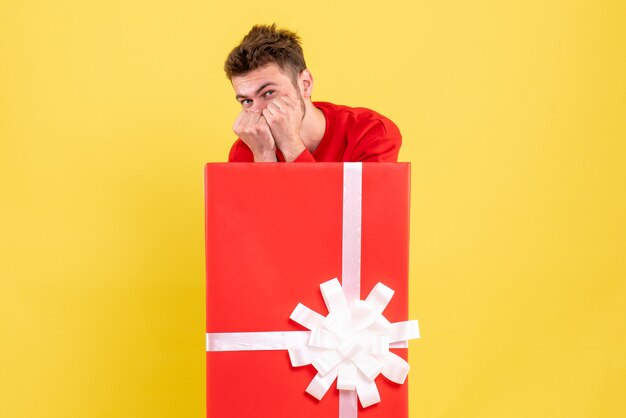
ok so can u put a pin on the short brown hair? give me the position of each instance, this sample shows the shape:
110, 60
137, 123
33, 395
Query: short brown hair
266, 44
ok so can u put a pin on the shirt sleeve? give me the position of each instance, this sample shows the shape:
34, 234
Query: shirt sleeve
305, 157
381, 142
240, 153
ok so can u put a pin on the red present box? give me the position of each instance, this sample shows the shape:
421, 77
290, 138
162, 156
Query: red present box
274, 233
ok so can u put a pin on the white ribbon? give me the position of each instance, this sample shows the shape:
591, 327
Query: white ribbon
351, 233
351, 344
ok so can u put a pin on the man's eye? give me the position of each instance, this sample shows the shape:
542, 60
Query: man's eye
269, 93
245, 102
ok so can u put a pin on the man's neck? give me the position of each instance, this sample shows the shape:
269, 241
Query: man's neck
313, 126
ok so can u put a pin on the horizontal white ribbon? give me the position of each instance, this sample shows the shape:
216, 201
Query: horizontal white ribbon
254, 341
264, 341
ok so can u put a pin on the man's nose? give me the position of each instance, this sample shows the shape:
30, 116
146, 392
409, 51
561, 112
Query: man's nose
258, 107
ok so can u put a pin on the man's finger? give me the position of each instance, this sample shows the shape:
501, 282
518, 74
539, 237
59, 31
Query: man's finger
253, 118
278, 103
272, 108
239, 119
267, 115
287, 101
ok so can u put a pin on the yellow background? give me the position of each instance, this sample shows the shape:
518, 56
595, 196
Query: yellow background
514, 118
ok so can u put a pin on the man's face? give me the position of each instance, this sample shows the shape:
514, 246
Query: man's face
257, 88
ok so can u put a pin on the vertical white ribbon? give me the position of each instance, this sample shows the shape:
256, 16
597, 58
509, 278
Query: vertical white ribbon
348, 406
351, 231
351, 259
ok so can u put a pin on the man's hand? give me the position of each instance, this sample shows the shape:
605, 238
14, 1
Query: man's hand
252, 128
284, 117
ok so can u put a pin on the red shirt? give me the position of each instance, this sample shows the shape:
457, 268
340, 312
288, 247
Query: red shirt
352, 134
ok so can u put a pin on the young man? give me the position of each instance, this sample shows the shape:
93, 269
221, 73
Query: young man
279, 122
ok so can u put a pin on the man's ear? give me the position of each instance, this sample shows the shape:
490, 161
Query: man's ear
306, 83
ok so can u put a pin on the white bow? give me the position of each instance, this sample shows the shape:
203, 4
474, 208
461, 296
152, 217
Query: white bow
351, 344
